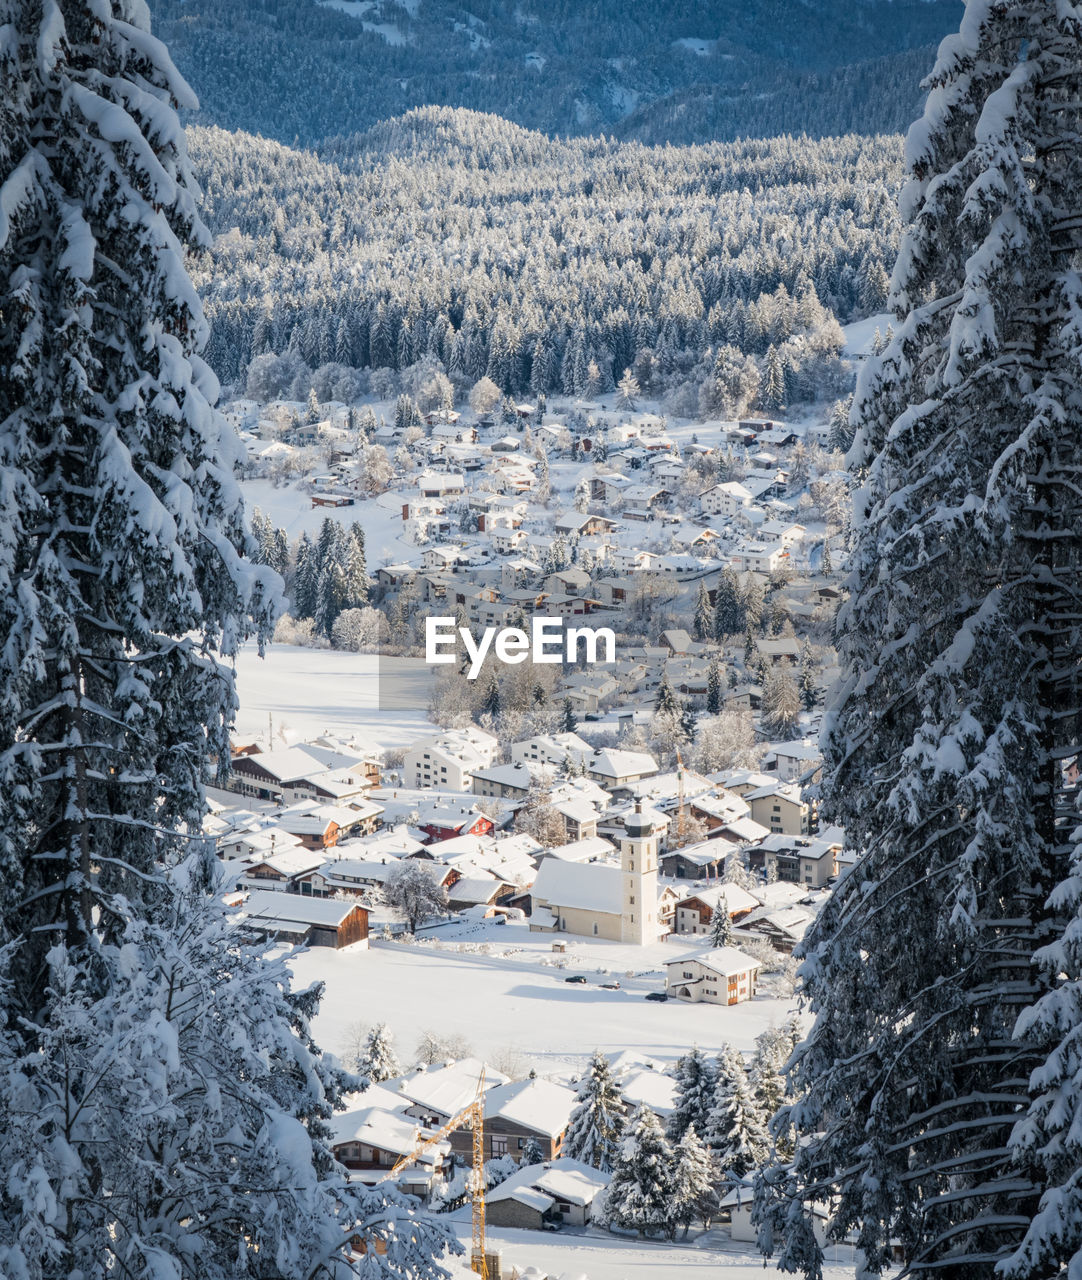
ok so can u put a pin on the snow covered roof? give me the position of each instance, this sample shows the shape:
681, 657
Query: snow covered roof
382, 1129
651, 1089
285, 909
735, 898
538, 1105
390, 843
529, 1196
480, 887
560, 1179
447, 1089
726, 961
620, 764
586, 886
589, 849
293, 861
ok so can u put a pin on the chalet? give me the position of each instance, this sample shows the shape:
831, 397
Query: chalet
792, 760
442, 559
433, 1095
505, 781
695, 914
702, 861
677, 641
642, 500
280, 869
691, 537
373, 1140
721, 976
445, 822
396, 575
436, 484
306, 772
783, 928
540, 1195
481, 889
778, 651
516, 1112
724, 499
305, 921
584, 525
322, 826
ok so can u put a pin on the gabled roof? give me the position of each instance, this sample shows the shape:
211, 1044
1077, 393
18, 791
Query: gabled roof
735, 898
724, 961
583, 886
285, 909
538, 1105
448, 1089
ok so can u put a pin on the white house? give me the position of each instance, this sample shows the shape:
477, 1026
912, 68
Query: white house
440, 484
448, 760
758, 557
724, 499
722, 976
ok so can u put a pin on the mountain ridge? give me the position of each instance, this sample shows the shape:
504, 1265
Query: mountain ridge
674, 71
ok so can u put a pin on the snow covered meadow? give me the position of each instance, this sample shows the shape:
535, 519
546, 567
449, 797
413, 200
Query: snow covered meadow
514, 1000
299, 692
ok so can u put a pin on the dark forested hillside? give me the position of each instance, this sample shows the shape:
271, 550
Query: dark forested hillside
491, 250
657, 70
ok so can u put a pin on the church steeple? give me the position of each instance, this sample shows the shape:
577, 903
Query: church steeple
638, 863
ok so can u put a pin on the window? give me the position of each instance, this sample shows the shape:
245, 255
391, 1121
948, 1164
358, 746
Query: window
688, 973
499, 1144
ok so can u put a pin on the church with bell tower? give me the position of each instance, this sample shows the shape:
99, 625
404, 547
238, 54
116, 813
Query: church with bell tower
638, 868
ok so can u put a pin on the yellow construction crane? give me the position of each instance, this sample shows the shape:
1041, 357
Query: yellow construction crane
471, 1117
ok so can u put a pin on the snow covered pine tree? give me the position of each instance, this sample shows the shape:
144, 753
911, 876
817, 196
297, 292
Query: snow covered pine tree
163, 1112
939, 1088
597, 1122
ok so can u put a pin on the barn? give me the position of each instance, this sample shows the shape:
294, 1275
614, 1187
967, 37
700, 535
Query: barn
312, 922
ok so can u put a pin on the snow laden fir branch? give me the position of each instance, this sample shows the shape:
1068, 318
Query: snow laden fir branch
163, 1109
937, 1093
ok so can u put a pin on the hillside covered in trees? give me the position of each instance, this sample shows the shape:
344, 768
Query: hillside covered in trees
496, 251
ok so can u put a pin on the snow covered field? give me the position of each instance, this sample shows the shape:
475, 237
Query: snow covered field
859, 334
514, 1001
307, 692
603, 1257
290, 508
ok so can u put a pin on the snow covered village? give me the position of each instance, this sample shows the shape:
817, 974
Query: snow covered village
541, 684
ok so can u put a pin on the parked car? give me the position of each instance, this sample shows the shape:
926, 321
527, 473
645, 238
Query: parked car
576, 977
657, 995
610, 986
